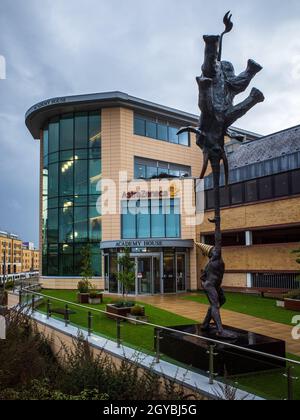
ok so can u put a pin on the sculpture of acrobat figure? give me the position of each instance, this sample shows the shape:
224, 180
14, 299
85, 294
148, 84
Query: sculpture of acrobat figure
218, 86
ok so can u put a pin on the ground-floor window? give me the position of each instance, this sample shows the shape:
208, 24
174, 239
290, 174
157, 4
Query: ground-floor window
157, 271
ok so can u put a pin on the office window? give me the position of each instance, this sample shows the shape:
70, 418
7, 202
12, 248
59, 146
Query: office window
158, 228
265, 188
276, 236
81, 174
95, 224
237, 194
66, 132
151, 172
81, 131
139, 127
66, 225
164, 131
149, 169
296, 182
80, 224
281, 183
151, 129
66, 259
251, 193
173, 135
184, 139
54, 135
210, 199
70, 190
173, 220
140, 222
53, 180
225, 196
143, 220
95, 131
128, 221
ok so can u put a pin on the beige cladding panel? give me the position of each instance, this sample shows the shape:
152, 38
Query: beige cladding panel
120, 146
280, 212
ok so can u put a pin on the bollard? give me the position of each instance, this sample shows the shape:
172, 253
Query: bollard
119, 341
67, 318
90, 324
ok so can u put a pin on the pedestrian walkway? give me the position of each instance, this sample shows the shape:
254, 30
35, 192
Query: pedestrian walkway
197, 311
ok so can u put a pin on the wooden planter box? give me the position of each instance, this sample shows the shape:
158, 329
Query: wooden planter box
96, 301
83, 298
292, 304
112, 310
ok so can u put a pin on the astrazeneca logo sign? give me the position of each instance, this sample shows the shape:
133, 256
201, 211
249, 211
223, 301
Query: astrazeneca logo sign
296, 329
2, 328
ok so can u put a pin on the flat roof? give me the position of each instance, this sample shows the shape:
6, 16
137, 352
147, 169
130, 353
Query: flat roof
38, 115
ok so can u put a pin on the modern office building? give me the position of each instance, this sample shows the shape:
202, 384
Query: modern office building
115, 175
260, 212
17, 257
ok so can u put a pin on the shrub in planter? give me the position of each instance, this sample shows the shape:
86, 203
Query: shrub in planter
83, 288
119, 308
292, 301
95, 297
137, 313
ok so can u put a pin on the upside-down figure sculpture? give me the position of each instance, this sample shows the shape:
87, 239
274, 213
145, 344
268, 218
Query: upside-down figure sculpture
218, 86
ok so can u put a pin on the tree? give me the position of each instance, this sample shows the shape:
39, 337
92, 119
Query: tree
86, 268
126, 274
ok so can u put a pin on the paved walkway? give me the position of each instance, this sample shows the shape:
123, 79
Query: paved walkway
197, 311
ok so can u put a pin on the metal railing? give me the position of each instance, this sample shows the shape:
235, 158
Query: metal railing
29, 297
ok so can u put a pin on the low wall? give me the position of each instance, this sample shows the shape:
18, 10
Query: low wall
66, 283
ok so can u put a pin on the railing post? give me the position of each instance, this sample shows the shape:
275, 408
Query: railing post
119, 341
48, 309
290, 383
20, 297
157, 352
32, 303
90, 324
211, 372
67, 318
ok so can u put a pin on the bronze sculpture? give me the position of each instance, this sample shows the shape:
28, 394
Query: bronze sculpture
218, 86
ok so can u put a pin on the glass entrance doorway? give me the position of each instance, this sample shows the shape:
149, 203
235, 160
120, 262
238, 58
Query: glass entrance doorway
148, 275
163, 272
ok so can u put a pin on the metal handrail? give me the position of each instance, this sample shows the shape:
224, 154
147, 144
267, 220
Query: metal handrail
208, 340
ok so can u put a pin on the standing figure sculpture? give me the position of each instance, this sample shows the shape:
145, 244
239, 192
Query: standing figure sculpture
218, 87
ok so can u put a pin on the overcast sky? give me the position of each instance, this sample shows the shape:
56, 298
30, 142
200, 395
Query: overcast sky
152, 49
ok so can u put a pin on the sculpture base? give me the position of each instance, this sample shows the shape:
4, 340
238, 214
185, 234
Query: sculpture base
192, 351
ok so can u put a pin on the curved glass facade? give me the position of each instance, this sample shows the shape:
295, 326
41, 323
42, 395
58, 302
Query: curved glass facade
71, 176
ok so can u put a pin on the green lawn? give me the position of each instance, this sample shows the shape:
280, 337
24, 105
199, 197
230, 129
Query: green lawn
140, 337
252, 305
268, 385
274, 384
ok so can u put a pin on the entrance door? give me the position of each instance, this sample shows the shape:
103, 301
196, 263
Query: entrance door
156, 275
181, 272
144, 276
169, 273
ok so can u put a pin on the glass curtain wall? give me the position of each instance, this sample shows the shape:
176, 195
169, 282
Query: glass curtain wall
71, 175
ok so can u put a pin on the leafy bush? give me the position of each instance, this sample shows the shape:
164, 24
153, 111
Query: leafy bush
30, 370
124, 304
84, 286
138, 310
